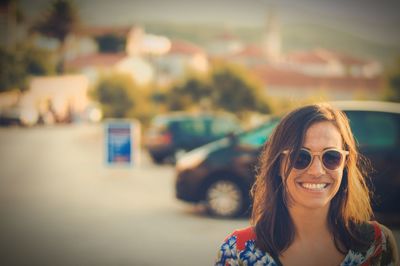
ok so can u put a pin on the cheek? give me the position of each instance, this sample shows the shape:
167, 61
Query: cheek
337, 176
290, 180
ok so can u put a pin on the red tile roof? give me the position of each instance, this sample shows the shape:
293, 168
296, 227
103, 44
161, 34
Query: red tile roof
288, 78
321, 56
307, 58
350, 60
97, 60
184, 47
250, 51
226, 36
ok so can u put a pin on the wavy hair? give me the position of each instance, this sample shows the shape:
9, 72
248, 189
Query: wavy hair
350, 206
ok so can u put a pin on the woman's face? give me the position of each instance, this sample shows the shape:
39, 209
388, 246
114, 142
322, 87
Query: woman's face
315, 186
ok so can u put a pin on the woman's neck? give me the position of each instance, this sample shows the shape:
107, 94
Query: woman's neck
310, 224
313, 243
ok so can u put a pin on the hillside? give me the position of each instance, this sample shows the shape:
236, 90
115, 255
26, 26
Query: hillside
294, 37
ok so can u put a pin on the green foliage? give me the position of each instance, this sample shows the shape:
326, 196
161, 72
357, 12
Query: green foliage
189, 93
38, 61
110, 43
118, 95
12, 72
237, 90
393, 83
14, 9
58, 21
227, 87
19, 64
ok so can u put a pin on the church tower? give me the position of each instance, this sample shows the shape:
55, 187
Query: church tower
272, 36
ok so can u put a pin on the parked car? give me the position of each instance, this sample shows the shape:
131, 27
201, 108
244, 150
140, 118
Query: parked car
10, 117
18, 116
175, 133
221, 173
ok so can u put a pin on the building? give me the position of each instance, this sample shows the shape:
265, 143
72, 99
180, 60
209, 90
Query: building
283, 82
182, 57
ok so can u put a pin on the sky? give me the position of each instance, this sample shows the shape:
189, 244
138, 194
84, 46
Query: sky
372, 19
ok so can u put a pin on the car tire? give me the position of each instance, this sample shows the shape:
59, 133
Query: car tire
157, 159
224, 198
173, 158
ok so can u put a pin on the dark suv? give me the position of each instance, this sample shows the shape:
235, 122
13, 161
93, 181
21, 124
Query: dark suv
221, 173
172, 134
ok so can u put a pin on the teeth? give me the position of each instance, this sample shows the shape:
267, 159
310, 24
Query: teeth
313, 186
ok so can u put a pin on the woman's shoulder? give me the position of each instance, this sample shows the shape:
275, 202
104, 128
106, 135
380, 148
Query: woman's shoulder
239, 247
380, 233
386, 242
381, 247
241, 236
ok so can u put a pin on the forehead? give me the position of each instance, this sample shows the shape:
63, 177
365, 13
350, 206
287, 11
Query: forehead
322, 135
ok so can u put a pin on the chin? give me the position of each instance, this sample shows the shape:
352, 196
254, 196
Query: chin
314, 204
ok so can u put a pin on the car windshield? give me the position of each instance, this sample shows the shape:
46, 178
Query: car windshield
256, 137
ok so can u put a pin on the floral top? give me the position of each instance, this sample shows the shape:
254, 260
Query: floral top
239, 249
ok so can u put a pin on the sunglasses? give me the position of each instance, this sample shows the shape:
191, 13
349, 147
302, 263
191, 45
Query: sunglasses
331, 159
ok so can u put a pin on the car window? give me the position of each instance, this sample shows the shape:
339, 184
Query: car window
256, 138
193, 127
374, 129
158, 125
222, 125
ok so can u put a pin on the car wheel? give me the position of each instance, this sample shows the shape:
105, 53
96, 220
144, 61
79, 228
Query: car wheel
157, 159
173, 158
224, 198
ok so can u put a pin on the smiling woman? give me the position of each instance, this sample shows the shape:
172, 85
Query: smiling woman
311, 202
312, 183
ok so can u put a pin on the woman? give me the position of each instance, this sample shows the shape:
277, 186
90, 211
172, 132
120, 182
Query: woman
311, 202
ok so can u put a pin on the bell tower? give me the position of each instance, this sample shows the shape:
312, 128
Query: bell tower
272, 36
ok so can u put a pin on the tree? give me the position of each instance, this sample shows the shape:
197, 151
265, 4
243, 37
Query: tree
191, 92
393, 83
12, 74
227, 87
236, 90
22, 62
14, 17
118, 95
58, 21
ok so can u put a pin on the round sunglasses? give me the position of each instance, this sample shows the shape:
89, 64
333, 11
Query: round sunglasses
331, 159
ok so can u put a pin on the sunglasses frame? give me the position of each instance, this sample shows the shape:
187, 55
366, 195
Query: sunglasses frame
320, 154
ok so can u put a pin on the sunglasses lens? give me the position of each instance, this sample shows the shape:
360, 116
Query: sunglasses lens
303, 160
332, 159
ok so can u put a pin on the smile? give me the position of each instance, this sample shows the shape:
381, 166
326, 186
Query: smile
314, 186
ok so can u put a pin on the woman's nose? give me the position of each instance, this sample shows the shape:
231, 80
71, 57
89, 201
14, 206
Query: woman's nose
316, 168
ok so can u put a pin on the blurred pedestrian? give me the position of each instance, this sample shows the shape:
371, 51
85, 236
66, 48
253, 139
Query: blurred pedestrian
311, 201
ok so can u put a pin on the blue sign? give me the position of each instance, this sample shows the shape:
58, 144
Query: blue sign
120, 143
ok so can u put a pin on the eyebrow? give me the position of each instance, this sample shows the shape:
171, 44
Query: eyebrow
326, 148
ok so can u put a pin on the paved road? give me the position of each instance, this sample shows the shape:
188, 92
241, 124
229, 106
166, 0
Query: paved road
61, 205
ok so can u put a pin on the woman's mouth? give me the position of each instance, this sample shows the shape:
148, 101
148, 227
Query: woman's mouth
314, 186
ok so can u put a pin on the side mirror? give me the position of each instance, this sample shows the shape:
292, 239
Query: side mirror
232, 137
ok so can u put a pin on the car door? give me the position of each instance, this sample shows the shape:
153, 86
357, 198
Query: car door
220, 126
378, 135
191, 133
248, 148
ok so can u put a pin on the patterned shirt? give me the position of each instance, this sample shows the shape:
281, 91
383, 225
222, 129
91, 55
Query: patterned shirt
239, 248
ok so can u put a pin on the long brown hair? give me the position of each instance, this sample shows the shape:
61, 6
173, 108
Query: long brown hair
350, 206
